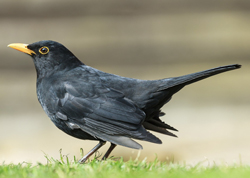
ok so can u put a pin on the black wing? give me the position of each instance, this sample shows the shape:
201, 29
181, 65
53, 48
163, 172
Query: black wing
102, 112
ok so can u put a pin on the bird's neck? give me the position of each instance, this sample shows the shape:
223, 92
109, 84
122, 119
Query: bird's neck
54, 69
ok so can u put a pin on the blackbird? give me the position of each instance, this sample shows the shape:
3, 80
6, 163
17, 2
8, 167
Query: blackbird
87, 103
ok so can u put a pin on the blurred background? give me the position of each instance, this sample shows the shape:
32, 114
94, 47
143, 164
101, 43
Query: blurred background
139, 39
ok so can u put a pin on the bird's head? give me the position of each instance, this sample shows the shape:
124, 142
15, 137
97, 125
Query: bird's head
48, 56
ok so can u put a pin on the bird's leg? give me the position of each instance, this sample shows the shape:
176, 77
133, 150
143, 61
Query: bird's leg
112, 146
85, 158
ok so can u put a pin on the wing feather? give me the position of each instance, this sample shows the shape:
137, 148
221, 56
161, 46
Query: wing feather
104, 113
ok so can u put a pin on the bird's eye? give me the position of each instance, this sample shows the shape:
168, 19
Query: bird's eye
44, 50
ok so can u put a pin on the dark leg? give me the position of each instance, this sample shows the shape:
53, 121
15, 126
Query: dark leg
112, 146
85, 158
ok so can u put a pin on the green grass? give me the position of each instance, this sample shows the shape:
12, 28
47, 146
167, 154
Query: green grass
113, 168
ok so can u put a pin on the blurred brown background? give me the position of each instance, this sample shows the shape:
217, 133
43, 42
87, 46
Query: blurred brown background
139, 39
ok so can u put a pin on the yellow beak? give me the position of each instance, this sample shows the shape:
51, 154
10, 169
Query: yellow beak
21, 47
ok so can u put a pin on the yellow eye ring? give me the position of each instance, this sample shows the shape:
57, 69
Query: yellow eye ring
44, 50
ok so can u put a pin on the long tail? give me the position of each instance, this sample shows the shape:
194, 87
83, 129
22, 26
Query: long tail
169, 87
194, 77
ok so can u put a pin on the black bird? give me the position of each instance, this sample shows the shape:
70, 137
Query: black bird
90, 104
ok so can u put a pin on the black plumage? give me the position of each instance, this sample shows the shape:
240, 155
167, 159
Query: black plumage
90, 104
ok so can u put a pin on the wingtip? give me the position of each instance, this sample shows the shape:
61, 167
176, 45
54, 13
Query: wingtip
173, 135
237, 66
174, 129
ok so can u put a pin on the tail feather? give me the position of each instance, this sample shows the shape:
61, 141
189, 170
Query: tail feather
169, 87
191, 78
162, 124
162, 130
